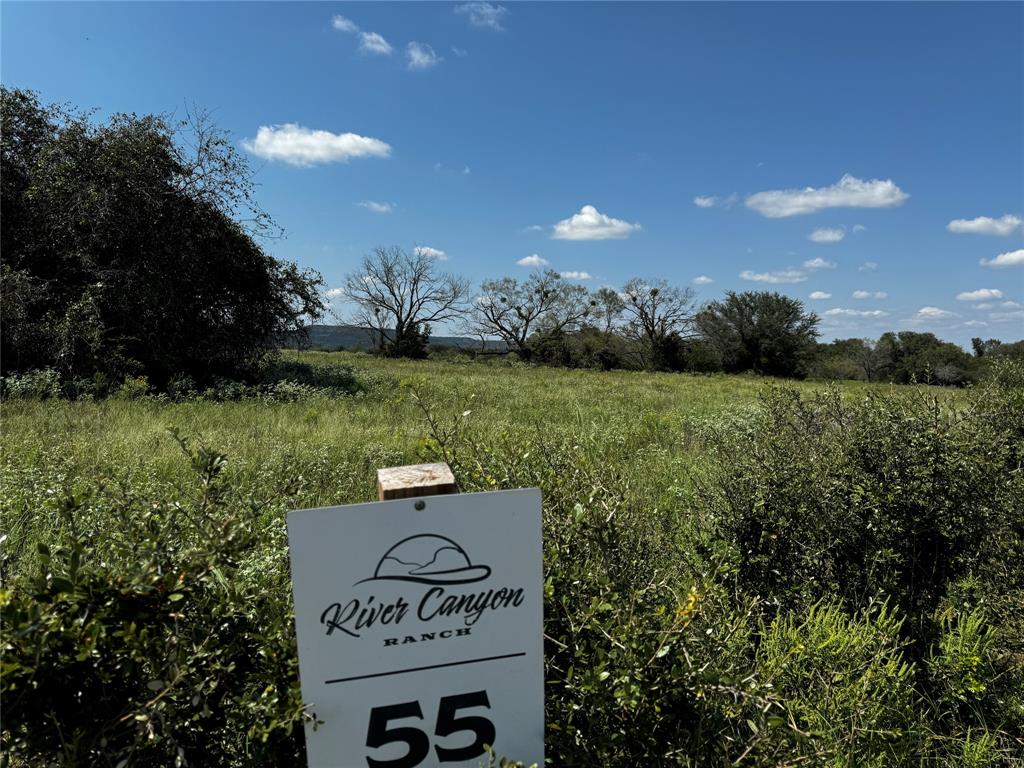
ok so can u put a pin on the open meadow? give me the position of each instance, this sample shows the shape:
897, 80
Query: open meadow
738, 571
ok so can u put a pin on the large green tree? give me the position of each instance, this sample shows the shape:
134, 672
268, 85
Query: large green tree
760, 331
133, 247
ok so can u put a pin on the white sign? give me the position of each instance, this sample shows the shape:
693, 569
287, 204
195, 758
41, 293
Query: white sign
420, 631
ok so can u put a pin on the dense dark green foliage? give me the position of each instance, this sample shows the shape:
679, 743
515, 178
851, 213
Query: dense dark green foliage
760, 331
842, 585
129, 249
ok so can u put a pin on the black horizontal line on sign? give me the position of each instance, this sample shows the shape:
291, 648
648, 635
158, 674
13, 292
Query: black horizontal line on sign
420, 669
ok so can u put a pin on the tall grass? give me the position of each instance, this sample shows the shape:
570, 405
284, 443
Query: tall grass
730, 570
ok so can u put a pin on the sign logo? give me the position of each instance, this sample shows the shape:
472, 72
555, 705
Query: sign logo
428, 558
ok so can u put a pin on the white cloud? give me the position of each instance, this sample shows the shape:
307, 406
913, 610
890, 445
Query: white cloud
710, 201
335, 293
775, 278
574, 275
1008, 259
535, 260
826, 235
535, 228
460, 52
434, 253
934, 313
483, 14
1003, 317
819, 263
973, 323
371, 42
591, 224
982, 294
818, 295
858, 228
848, 192
842, 312
301, 146
1010, 305
868, 266
342, 24
702, 280
421, 56
375, 207
986, 225
870, 295
983, 305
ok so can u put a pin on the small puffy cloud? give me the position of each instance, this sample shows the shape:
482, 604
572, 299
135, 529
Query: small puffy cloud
842, 312
297, 145
819, 295
483, 14
702, 280
1011, 305
371, 42
775, 278
858, 228
421, 56
534, 260
1008, 259
870, 295
460, 52
976, 323
826, 235
934, 313
591, 224
819, 263
375, 207
342, 24
848, 192
868, 266
434, 253
574, 275
982, 294
335, 293
710, 201
986, 225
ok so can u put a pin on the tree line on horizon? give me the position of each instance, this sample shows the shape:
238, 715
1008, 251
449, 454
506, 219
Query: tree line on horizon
134, 249
647, 324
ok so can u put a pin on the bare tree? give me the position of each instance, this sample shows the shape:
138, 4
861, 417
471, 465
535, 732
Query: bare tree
658, 312
514, 311
399, 295
608, 307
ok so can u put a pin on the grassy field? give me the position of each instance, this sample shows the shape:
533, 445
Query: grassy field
739, 571
638, 422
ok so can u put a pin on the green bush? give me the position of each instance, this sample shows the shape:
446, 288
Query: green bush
31, 385
140, 640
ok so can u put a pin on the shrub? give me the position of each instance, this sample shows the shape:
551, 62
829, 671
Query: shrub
147, 641
31, 385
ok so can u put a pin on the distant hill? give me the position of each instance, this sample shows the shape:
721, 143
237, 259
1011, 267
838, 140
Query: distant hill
330, 337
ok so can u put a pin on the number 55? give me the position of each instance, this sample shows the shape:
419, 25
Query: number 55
378, 734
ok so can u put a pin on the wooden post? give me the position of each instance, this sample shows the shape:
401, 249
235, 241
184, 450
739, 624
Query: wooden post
415, 480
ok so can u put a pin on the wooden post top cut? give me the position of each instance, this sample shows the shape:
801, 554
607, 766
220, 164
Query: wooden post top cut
415, 480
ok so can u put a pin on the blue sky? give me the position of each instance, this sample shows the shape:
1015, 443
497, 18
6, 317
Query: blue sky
613, 140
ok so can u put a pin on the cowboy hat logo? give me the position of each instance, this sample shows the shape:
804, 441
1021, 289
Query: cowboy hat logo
428, 559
